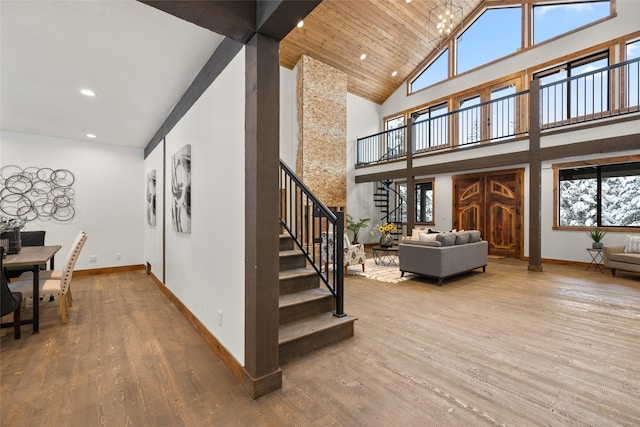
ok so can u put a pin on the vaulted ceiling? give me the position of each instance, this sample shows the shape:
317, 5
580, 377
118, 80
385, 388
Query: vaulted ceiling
395, 36
140, 60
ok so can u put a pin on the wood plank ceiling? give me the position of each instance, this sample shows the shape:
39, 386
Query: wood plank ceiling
394, 34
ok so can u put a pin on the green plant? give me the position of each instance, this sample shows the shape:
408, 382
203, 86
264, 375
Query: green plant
355, 227
596, 234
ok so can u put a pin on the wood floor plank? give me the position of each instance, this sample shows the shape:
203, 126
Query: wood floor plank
508, 347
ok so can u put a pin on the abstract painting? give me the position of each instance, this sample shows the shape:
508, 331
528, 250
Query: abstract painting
181, 190
151, 198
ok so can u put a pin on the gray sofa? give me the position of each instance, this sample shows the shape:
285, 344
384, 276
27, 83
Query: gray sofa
445, 257
615, 257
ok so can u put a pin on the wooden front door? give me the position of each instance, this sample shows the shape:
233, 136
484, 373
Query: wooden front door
492, 203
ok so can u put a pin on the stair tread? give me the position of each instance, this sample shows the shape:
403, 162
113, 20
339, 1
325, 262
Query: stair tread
297, 272
300, 328
290, 252
300, 297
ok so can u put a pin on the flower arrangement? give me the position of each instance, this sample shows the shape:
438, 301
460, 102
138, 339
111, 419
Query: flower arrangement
386, 239
386, 228
10, 224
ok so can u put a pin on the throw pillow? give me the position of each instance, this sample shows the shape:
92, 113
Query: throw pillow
462, 237
474, 236
415, 233
446, 239
632, 245
427, 237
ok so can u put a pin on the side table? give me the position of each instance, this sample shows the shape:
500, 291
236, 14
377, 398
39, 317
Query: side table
596, 259
385, 255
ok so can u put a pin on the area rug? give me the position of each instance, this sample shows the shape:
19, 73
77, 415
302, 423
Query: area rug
382, 273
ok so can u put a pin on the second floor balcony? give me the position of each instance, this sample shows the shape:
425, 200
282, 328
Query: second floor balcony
595, 95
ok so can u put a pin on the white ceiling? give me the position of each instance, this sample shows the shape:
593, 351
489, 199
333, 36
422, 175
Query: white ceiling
138, 59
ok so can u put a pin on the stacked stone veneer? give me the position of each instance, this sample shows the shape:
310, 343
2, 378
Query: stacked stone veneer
322, 136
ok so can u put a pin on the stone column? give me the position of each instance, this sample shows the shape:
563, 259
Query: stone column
322, 136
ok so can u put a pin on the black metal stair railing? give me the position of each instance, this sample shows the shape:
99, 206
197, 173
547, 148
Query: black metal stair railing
306, 218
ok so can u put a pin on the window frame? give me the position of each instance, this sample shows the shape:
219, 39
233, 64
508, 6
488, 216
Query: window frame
467, 27
526, 38
586, 164
484, 93
567, 114
433, 198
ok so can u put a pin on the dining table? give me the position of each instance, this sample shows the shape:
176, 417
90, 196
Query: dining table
34, 257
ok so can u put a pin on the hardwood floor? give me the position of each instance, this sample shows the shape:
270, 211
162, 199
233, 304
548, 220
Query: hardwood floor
508, 347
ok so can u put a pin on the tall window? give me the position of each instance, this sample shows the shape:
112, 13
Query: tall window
469, 121
394, 140
431, 127
503, 112
423, 200
435, 72
632, 72
481, 43
602, 196
586, 94
551, 20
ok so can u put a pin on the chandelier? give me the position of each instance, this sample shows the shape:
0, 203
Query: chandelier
443, 19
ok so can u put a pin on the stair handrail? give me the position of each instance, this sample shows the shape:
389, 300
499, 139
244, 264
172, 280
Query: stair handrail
305, 218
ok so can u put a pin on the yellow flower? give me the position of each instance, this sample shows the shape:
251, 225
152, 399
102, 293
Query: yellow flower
386, 228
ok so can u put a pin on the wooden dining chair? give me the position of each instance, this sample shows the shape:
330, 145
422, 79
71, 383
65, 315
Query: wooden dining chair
11, 301
54, 282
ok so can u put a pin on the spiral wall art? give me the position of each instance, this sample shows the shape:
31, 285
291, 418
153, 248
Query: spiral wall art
37, 193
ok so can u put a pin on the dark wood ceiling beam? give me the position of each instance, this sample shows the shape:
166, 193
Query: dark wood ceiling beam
233, 19
275, 19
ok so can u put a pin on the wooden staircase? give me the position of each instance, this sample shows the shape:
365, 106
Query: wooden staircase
307, 322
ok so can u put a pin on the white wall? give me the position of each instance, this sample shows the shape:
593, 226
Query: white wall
153, 234
362, 119
205, 268
109, 195
288, 116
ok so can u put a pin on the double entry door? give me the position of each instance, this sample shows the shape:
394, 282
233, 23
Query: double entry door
492, 203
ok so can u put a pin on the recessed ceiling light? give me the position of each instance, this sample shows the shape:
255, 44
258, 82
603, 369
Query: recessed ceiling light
300, 24
395, 73
87, 92
363, 56
90, 135
407, 1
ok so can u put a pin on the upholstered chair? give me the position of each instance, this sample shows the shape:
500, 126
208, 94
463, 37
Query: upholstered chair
353, 253
56, 282
11, 301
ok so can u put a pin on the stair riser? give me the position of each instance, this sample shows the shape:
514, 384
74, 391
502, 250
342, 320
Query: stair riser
295, 284
291, 262
310, 343
286, 243
306, 309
